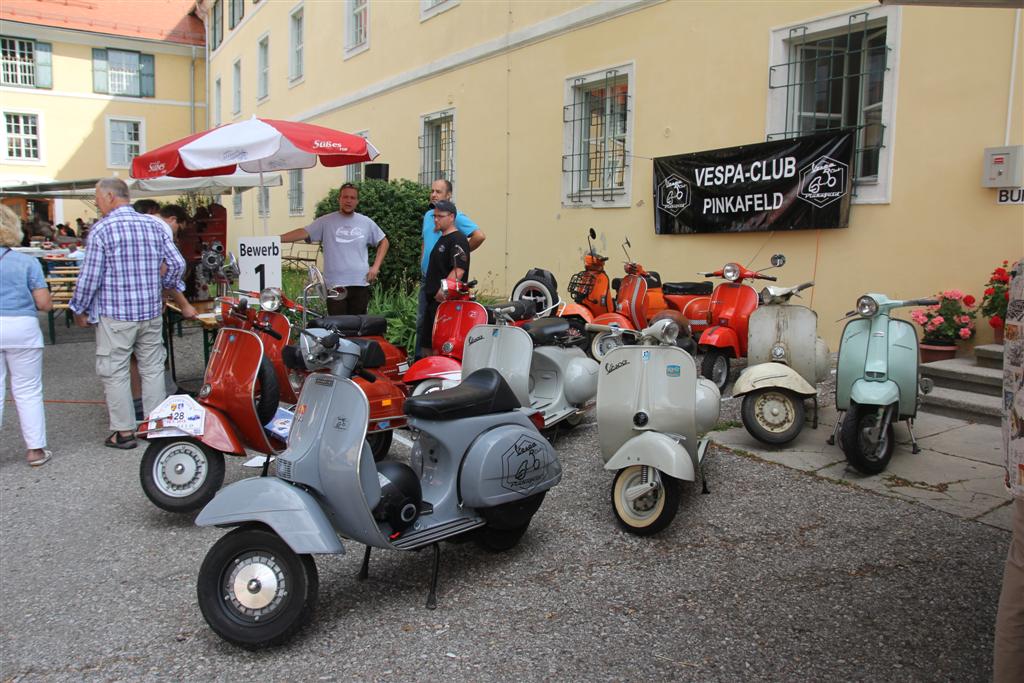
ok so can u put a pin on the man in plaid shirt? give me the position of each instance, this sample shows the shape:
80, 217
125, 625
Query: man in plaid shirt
122, 282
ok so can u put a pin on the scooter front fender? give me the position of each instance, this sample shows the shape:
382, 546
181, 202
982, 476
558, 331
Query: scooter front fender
721, 338
433, 366
777, 375
656, 450
867, 393
293, 514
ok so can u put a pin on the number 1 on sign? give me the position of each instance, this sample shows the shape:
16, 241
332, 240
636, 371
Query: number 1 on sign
260, 270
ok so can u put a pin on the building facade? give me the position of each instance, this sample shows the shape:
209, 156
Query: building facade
546, 117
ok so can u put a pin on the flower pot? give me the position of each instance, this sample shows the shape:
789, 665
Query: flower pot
997, 332
936, 350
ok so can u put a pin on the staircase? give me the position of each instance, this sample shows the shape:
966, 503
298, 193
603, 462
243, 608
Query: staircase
967, 388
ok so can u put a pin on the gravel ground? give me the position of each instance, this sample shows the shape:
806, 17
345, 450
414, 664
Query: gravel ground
775, 575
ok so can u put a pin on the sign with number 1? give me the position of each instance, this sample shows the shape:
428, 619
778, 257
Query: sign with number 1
259, 263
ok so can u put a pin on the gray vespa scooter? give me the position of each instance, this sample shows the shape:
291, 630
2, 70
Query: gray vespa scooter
785, 361
479, 465
542, 362
652, 405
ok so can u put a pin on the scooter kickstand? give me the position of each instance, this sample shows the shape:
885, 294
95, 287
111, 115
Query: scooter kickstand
915, 449
703, 481
364, 571
432, 596
839, 421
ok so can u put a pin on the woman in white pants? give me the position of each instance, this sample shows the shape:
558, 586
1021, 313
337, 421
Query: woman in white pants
23, 291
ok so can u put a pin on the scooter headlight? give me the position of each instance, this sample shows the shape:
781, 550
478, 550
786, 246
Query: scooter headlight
866, 306
670, 332
205, 390
270, 299
731, 272
778, 352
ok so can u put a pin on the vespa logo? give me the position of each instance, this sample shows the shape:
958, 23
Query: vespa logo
329, 144
157, 167
823, 181
673, 194
474, 340
612, 367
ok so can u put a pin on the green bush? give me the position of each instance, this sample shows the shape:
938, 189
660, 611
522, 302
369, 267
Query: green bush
398, 305
397, 207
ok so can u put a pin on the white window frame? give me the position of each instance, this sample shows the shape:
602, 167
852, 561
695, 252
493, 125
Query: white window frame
138, 72
263, 67
353, 48
622, 199
879, 191
236, 203
431, 8
109, 140
40, 144
355, 173
20, 64
296, 195
427, 120
296, 55
217, 101
236, 87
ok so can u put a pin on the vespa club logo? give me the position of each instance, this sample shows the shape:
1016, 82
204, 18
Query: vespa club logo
524, 466
674, 194
823, 181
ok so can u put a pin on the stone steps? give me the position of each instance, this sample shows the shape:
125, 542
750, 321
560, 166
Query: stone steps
989, 355
964, 405
966, 375
967, 388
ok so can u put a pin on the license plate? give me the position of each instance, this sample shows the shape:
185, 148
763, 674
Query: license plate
402, 367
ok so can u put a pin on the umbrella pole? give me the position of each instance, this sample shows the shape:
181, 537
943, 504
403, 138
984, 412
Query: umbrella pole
258, 200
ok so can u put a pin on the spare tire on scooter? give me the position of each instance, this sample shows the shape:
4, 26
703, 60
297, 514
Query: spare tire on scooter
270, 392
538, 286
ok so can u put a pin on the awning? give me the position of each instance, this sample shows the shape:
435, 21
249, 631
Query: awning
156, 187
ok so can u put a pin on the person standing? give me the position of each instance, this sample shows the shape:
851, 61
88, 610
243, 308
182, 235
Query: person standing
23, 291
346, 237
1008, 664
123, 282
449, 259
440, 191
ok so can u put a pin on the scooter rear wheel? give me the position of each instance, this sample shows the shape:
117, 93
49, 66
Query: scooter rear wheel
427, 386
180, 474
859, 449
380, 443
254, 591
715, 367
653, 510
773, 416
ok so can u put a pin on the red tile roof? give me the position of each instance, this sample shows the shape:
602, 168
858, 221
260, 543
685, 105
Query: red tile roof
168, 20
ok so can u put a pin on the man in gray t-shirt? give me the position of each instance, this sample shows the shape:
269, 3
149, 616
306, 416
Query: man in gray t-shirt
345, 236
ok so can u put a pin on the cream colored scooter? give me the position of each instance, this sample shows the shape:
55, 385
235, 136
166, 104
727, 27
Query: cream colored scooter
652, 405
785, 361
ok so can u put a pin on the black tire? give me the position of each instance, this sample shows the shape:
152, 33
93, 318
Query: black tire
650, 513
270, 392
538, 290
271, 617
571, 422
380, 443
715, 367
857, 449
773, 416
507, 523
181, 474
500, 540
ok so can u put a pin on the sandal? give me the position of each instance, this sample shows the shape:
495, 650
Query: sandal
41, 461
115, 440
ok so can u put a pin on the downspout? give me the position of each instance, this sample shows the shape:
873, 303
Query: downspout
192, 93
1013, 76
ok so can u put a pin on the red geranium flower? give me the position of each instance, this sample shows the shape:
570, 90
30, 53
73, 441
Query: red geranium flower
995, 321
990, 291
969, 300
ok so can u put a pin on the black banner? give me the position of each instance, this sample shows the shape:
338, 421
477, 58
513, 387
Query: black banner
796, 184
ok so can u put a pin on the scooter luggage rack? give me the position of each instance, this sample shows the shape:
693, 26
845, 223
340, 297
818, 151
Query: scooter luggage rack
581, 285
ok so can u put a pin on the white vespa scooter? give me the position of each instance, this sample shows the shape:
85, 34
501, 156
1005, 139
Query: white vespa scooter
542, 361
651, 406
785, 361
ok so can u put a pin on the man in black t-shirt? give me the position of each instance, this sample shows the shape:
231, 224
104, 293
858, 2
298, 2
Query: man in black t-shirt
448, 259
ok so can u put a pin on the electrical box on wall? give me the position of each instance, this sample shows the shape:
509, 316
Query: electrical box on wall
1003, 167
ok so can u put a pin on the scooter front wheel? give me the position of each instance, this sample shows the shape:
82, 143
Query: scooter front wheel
645, 500
181, 474
715, 367
254, 591
865, 454
773, 416
427, 386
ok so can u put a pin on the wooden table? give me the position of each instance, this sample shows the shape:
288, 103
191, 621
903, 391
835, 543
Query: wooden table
207, 320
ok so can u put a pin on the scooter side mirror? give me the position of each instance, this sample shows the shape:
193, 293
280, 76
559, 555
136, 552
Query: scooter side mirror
778, 260
593, 234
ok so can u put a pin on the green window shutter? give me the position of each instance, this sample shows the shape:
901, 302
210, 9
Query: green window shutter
147, 80
99, 71
44, 65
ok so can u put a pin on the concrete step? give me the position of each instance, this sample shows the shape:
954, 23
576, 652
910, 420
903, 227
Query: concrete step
989, 355
966, 375
964, 405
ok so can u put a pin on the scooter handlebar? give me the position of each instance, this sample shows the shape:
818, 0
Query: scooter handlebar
922, 302
268, 330
800, 288
770, 278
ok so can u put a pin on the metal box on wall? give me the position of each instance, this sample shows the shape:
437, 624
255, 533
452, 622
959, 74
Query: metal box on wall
1003, 167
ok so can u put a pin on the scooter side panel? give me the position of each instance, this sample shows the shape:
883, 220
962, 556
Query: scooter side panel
794, 327
273, 348
231, 374
694, 308
292, 513
506, 464
853, 351
583, 312
505, 348
903, 360
731, 306
632, 301
614, 319
656, 450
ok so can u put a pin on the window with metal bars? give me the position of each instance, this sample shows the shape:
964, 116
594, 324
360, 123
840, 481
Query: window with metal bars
437, 147
358, 26
354, 172
597, 125
124, 141
296, 194
18, 61
833, 80
22, 133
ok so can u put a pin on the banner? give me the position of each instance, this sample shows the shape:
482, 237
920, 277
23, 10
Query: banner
796, 184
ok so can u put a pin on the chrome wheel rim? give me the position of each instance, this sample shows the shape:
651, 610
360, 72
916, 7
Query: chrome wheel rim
255, 587
536, 295
180, 469
774, 412
638, 502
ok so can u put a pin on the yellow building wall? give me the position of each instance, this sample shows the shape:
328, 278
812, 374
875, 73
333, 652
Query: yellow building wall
700, 82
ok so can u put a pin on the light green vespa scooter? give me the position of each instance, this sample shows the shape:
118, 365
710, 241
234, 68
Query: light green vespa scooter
877, 381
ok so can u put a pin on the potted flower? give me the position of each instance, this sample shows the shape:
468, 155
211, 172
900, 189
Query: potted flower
993, 301
944, 324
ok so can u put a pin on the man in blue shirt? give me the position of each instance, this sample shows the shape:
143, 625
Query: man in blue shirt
440, 190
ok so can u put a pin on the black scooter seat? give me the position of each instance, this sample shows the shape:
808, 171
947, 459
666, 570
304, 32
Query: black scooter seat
352, 325
683, 288
482, 393
525, 310
546, 331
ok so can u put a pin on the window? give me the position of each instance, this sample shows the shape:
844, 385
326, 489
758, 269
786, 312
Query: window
295, 54
119, 72
236, 201
437, 147
296, 195
21, 132
358, 27
838, 74
355, 172
124, 141
216, 101
236, 87
216, 24
263, 201
431, 8
597, 121
236, 10
26, 63
263, 68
